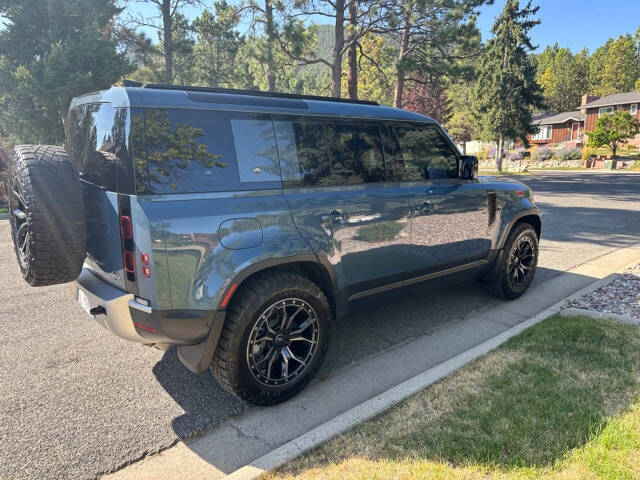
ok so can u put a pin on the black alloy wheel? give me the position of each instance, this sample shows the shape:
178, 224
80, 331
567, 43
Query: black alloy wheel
521, 260
19, 220
282, 342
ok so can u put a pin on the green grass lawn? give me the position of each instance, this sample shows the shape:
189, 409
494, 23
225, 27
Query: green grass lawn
560, 400
3, 210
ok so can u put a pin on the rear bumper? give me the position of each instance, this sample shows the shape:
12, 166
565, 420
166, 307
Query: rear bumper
134, 321
90, 292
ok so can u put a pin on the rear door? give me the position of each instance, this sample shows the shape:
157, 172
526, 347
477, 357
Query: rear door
449, 216
97, 144
334, 179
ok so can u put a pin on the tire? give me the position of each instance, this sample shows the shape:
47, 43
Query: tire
46, 214
240, 369
521, 246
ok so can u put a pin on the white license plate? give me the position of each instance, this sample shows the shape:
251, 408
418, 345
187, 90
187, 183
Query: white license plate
84, 301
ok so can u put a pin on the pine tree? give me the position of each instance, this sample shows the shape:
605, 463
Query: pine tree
507, 90
51, 52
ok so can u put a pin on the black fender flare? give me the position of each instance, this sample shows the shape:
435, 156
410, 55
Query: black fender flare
197, 357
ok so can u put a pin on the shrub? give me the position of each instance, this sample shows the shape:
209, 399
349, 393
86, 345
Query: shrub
517, 155
543, 153
587, 152
568, 154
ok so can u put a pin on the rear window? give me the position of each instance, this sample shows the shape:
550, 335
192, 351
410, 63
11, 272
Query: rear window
191, 151
329, 154
95, 143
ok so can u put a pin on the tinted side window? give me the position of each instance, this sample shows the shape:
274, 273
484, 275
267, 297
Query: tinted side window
331, 154
95, 143
188, 151
357, 154
420, 153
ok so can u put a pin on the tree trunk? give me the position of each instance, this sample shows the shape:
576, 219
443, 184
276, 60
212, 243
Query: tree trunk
271, 76
499, 154
336, 66
404, 46
353, 52
168, 41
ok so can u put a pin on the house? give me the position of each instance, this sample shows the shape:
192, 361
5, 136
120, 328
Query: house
592, 107
565, 127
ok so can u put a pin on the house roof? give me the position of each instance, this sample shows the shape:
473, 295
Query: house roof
615, 99
555, 118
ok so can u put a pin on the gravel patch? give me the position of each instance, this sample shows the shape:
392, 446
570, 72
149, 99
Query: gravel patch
621, 296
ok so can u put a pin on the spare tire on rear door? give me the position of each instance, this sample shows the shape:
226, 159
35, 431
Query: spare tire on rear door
46, 214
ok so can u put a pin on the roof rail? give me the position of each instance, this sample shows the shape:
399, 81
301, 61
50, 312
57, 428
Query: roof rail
255, 93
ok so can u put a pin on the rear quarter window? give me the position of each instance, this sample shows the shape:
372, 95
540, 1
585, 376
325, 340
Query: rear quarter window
190, 151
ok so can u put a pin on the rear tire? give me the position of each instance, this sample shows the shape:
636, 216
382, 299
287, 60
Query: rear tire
46, 214
518, 264
264, 329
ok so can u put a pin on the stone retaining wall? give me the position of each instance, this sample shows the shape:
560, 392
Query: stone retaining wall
526, 164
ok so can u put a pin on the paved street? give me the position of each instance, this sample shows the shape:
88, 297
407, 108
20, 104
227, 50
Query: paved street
76, 401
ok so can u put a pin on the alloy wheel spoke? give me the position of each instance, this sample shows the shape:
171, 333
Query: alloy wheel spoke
297, 359
292, 317
301, 339
19, 196
285, 362
266, 338
302, 327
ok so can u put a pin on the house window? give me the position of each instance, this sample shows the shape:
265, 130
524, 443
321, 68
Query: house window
544, 133
633, 109
604, 110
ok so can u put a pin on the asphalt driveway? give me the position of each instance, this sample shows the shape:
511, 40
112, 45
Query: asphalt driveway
76, 401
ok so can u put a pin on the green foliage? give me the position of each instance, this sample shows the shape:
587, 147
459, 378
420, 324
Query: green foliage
51, 52
506, 90
218, 46
613, 130
563, 77
543, 153
568, 154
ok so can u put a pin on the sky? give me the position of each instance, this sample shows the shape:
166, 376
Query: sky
571, 23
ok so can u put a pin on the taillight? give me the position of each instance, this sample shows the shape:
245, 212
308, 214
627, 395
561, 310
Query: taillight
129, 261
126, 228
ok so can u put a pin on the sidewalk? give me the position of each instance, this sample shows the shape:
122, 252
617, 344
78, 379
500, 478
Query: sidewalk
238, 441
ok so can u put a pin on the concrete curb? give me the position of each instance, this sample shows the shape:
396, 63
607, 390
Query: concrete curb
383, 401
571, 311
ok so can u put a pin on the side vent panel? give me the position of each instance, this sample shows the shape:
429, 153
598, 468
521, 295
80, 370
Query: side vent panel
491, 207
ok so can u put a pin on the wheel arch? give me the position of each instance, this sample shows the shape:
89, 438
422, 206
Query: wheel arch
532, 217
306, 265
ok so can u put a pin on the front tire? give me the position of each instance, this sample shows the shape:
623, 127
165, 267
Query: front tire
518, 264
274, 339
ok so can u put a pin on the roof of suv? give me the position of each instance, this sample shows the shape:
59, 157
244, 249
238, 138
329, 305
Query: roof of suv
230, 100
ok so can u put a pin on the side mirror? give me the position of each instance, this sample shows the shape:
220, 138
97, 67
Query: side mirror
468, 167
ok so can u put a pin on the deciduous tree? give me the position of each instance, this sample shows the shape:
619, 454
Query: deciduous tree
613, 130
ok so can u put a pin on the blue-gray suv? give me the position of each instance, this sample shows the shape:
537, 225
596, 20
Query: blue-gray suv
240, 225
